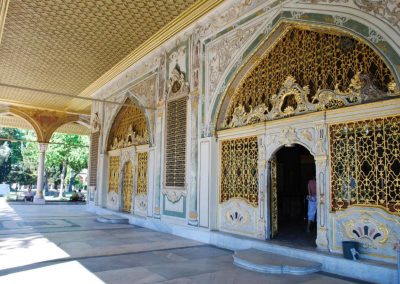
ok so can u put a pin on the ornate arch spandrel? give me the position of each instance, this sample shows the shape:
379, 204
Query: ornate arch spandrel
29, 119
128, 128
305, 69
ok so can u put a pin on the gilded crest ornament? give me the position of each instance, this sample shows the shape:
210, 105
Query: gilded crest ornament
177, 86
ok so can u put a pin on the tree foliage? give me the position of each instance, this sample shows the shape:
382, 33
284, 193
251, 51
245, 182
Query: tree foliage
10, 152
21, 166
66, 152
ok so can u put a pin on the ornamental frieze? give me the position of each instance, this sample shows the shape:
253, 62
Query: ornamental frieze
292, 99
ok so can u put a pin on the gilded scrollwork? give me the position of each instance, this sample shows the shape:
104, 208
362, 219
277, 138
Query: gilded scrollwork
365, 164
280, 84
113, 179
292, 99
141, 173
127, 188
239, 170
129, 128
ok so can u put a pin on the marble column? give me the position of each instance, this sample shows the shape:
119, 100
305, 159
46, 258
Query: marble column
193, 154
158, 160
39, 188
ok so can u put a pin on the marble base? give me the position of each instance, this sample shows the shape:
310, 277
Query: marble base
39, 200
266, 262
366, 270
112, 219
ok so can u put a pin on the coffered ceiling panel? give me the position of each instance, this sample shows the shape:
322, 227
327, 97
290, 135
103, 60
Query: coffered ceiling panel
64, 45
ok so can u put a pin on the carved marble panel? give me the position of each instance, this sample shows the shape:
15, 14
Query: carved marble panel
239, 217
376, 230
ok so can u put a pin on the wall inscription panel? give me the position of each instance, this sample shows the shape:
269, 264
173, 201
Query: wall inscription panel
176, 143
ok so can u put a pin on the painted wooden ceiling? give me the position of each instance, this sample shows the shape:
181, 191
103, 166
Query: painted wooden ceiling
66, 46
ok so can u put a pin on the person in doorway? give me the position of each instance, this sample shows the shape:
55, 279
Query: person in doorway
312, 202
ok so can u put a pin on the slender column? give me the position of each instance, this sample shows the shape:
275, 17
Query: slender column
39, 188
323, 205
158, 161
193, 150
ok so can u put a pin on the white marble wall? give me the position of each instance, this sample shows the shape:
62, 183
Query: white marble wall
206, 53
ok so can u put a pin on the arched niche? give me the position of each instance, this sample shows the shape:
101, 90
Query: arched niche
129, 127
300, 69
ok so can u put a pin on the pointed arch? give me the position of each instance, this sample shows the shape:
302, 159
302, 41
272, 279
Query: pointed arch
254, 51
129, 127
26, 117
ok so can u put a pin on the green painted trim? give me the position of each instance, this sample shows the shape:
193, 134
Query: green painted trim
174, 213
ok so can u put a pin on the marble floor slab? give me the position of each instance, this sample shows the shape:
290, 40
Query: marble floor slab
65, 244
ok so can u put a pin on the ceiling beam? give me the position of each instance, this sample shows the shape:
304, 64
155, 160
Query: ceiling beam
69, 95
3, 13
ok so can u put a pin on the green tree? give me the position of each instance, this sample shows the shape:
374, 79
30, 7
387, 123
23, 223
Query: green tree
10, 153
65, 155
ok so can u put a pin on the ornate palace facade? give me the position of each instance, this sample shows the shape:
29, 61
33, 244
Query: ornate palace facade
218, 122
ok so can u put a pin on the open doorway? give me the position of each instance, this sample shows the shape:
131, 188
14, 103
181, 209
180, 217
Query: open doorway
292, 168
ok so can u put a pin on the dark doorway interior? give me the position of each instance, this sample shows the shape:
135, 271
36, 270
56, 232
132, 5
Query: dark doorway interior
295, 166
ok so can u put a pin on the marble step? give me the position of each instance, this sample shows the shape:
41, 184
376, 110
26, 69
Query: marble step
266, 262
112, 219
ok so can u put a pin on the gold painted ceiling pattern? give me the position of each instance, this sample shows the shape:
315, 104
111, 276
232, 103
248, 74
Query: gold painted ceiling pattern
64, 46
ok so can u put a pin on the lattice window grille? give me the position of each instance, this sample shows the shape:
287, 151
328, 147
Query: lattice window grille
316, 59
239, 172
113, 178
141, 178
365, 164
127, 187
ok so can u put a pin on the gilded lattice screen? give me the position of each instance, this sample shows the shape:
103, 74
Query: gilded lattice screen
176, 143
129, 127
127, 187
141, 178
365, 164
113, 178
239, 174
94, 150
315, 59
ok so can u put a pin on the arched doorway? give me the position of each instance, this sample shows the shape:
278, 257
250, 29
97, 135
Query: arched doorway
291, 169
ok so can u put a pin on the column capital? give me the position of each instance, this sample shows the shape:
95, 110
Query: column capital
43, 147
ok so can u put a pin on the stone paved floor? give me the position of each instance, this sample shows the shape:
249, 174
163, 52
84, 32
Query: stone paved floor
64, 244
